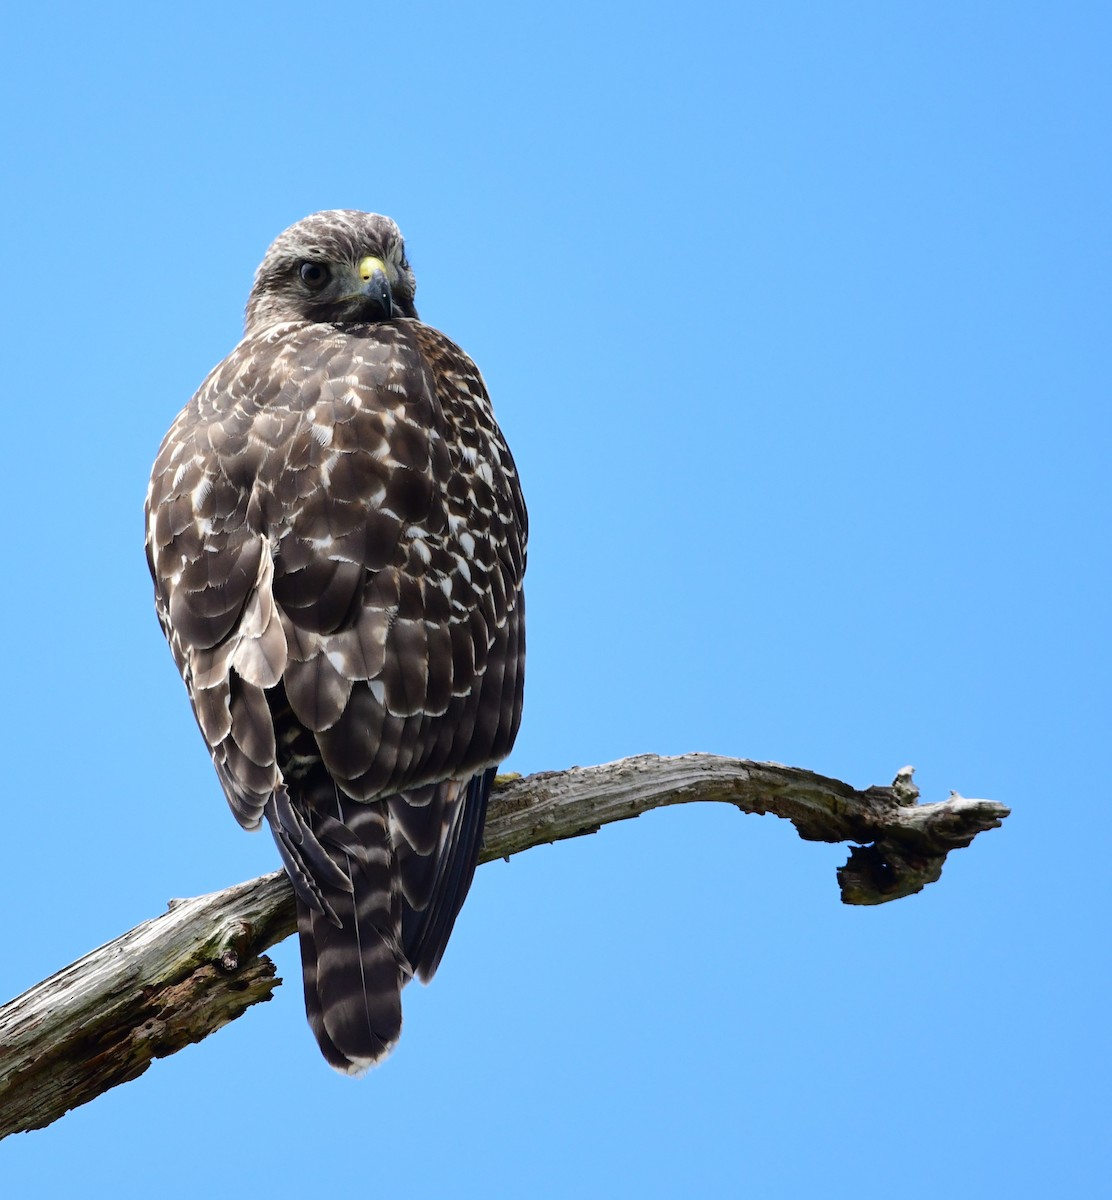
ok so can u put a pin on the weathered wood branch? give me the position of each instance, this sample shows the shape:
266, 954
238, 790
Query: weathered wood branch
181, 976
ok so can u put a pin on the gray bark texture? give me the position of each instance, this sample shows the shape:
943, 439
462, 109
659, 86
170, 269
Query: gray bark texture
179, 977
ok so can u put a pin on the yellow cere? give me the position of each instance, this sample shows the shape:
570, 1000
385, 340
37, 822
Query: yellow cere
369, 265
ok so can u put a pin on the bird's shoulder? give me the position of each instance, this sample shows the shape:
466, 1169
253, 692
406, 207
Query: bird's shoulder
338, 433
306, 377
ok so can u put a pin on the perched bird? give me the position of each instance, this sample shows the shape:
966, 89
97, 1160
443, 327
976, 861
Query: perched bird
336, 534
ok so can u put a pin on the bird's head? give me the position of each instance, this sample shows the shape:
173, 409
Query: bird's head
336, 266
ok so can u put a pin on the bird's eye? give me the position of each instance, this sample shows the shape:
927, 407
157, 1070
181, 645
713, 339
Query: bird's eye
314, 275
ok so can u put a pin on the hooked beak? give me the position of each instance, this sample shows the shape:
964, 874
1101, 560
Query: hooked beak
376, 286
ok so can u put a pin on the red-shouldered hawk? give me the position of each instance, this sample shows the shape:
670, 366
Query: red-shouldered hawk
337, 534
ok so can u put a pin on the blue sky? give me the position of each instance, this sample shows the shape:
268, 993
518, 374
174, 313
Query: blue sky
797, 319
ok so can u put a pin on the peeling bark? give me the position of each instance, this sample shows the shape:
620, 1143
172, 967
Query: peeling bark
181, 976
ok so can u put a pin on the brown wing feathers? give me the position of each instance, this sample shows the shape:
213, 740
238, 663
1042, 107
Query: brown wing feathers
337, 539
436, 875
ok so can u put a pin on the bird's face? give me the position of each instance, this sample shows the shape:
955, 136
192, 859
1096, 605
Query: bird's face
339, 266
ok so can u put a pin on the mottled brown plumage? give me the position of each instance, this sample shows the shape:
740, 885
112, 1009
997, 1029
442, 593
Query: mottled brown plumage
337, 539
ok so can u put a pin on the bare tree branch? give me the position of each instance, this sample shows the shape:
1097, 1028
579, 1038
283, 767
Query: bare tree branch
181, 976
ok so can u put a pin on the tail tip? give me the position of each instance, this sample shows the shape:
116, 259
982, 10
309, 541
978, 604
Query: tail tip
356, 1068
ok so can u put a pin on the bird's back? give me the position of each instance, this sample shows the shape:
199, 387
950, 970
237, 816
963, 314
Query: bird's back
337, 538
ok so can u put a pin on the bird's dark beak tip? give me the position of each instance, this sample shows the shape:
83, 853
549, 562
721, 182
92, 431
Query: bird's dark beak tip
377, 291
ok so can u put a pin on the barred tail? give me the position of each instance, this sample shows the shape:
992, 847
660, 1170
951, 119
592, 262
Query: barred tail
349, 928
379, 885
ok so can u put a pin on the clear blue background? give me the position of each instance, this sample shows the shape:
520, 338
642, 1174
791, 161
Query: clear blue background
797, 319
